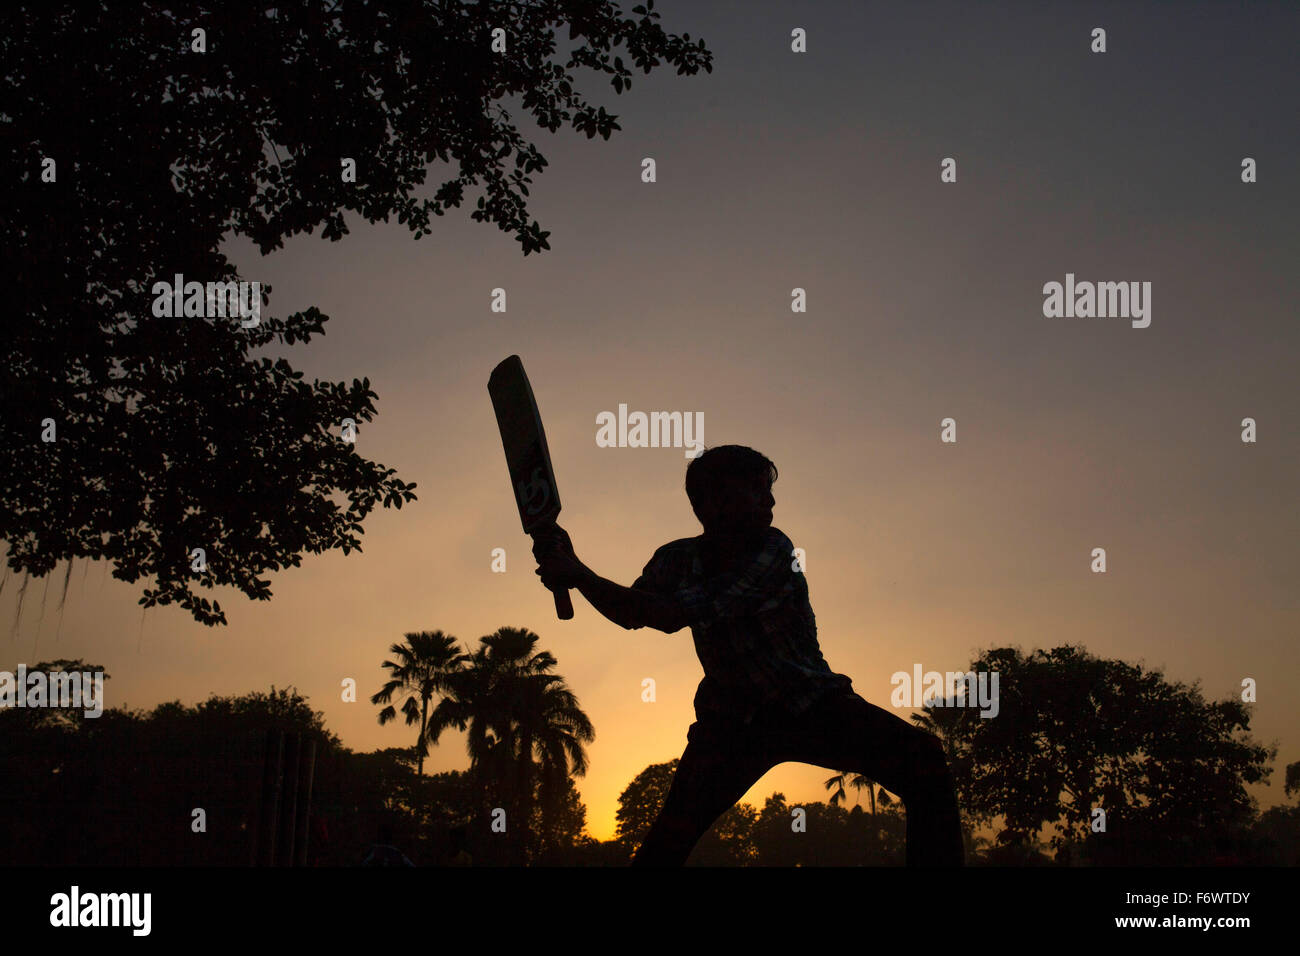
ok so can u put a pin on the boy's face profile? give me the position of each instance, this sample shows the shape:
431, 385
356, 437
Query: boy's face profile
739, 505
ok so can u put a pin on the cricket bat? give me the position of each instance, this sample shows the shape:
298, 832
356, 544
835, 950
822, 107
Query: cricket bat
527, 456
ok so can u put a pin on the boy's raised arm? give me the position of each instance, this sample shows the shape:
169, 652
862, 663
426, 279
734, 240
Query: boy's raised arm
627, 607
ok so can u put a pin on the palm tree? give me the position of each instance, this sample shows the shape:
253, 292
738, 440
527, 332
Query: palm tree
525, 728
427, 664
548, 736
847, 778
840, 782
946, 723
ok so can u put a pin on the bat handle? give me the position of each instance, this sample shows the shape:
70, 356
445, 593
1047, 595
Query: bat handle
563, 606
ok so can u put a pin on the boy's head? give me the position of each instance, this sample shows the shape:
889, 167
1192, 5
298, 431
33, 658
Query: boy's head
730, 488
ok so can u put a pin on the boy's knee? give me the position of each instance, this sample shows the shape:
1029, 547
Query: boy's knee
930, 762
931, 747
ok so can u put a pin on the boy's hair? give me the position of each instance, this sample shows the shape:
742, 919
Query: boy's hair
707, 474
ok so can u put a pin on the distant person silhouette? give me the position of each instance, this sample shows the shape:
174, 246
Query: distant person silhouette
383, 853
459, 843
768, 696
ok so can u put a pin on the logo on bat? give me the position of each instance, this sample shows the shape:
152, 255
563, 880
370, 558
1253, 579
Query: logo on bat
533, 488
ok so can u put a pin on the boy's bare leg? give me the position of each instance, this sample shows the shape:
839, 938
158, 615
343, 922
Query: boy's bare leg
846, 732
714, 772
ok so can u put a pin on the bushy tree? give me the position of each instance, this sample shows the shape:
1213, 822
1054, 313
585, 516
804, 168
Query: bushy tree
1076, 733
131, 147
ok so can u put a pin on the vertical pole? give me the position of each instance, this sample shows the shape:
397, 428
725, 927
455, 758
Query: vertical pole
289, 812
269, 805
306, 775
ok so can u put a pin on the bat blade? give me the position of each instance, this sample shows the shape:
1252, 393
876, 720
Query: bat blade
528, 459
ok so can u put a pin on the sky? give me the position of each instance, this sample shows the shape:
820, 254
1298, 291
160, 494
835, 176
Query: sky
821, 171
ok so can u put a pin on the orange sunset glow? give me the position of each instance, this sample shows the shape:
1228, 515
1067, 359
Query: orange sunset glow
924, 302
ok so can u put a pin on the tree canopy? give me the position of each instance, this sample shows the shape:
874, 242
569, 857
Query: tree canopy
1076, 733
134, 140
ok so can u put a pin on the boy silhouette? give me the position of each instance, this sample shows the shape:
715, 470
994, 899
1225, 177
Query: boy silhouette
768, 696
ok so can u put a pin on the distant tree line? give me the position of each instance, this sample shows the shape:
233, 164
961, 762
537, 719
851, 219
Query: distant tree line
123, 788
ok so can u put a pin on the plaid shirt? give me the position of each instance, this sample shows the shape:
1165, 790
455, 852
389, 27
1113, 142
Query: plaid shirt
754, 630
